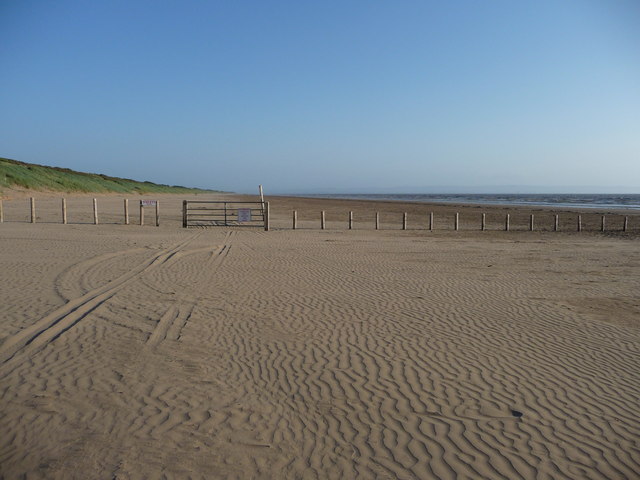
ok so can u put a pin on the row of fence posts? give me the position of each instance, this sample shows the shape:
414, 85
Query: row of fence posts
456, 222
95, 211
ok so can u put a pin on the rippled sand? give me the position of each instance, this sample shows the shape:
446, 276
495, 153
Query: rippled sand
143, 352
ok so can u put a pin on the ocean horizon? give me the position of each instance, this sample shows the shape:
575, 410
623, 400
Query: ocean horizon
569, 200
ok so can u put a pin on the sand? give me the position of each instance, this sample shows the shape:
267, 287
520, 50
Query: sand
140, 352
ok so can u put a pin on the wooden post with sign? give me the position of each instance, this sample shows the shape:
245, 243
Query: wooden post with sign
150, 203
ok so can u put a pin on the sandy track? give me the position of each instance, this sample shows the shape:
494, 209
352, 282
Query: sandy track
307, 354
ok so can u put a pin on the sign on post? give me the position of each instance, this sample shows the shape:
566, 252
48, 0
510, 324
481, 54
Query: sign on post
150, 203
244, 215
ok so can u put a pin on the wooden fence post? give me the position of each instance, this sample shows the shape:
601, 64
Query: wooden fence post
506, 223
33, 210
95, 211
483, 227
266, 217
64, 211
295, 219
556, 223
322, 221
456, 222
1, 212
602, 226
625, 225
531, 223
184, 214
350, 220
431, 222
141, 213
157, 213
579, 223
126, 211
404, 221
377, 220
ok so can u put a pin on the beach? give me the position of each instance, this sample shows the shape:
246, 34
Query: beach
133, 351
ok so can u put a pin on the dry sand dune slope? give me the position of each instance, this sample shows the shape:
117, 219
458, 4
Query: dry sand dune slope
317, 354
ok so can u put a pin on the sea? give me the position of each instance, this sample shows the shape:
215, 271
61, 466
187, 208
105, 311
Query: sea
595, 201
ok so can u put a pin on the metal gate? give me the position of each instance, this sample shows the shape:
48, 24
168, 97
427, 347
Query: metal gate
201, 213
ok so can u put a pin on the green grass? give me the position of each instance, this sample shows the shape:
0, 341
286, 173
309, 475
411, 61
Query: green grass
38, 177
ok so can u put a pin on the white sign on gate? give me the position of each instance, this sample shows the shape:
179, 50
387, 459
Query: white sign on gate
148, 203
244, 215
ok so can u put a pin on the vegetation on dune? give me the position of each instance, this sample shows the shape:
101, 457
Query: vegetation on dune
39, 177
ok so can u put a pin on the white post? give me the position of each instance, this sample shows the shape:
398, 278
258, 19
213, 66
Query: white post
33, 210
579, 223
506, 223
295, 219
404, 221
141, 213
602, 226
624, 226
322, 222
531, 223
377, 220
126, 211
64, 211
556, 224
95, 211
350, 220
261, 199
456, 222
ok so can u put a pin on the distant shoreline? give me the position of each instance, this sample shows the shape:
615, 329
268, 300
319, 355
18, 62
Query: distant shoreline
620, 202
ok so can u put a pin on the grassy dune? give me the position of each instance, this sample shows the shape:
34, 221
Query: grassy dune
15, 174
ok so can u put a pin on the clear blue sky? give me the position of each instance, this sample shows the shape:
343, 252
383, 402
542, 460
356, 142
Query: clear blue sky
307, 96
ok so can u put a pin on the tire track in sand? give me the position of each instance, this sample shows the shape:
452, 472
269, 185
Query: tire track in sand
61, 319
175, 318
